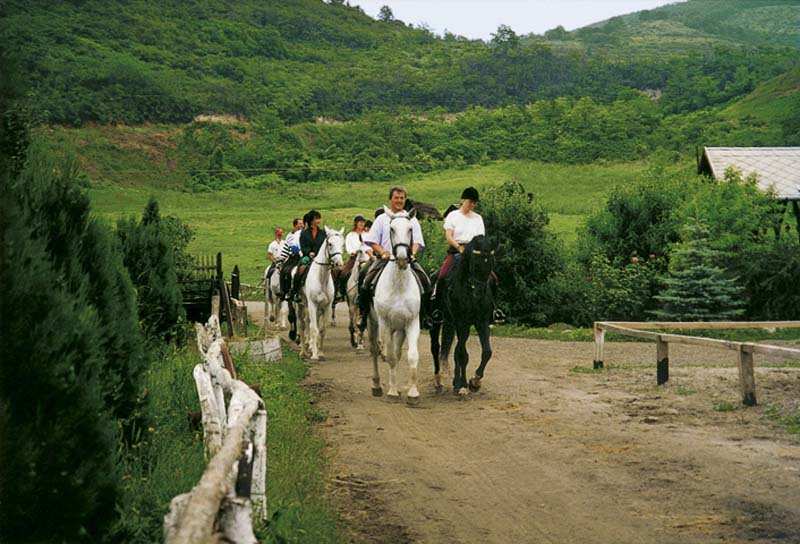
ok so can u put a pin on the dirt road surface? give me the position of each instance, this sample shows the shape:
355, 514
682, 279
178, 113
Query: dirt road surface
549, 451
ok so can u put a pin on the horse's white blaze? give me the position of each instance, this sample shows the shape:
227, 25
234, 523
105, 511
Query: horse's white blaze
396, 306
318, 293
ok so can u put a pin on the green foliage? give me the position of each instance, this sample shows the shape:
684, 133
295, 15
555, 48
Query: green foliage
528, 254
697, 288
148, 251
307, 59
83, 251
638, 220
58, 437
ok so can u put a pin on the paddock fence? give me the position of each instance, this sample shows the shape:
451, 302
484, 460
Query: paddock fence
746, 350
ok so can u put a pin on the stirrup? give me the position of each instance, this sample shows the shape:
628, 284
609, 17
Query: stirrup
498, 316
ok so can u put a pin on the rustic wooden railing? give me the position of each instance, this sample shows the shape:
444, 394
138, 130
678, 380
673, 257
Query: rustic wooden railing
746, 350
233, 486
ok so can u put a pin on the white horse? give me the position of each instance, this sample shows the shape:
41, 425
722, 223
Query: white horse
277, 310
317, 294
356, 335
394, 317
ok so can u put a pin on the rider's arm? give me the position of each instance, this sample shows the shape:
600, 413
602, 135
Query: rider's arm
378, 250
452, 241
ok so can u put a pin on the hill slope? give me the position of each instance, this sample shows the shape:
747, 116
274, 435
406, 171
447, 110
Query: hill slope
696, 25
140, 61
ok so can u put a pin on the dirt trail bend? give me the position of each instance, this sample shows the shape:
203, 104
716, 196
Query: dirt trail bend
547, 453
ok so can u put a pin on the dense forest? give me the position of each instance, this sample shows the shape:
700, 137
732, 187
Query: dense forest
133, 62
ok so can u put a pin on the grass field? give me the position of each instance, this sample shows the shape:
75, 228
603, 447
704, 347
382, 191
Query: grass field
240, 222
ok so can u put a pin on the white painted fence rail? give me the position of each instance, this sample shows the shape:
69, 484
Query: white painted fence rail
233, 486
747, 381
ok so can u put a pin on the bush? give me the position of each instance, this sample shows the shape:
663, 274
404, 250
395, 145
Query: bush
637, 221
148, 252
58, 438
528, 255
85, 254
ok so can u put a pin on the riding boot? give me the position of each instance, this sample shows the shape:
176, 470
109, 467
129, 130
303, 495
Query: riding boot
364, 305
434, 312
294, 296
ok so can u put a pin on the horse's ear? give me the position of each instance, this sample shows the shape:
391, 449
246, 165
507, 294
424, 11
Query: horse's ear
388, 212
327, 230
413, 213
341, 231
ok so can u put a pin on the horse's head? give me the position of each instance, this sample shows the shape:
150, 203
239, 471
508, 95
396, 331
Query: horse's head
479, 258
335, 240
400, 235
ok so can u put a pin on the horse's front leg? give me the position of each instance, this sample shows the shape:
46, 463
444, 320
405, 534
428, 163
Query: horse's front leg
313, 329
392, 343
486, 354
462, 359
448, 335
283, 312
323, 326
412, 336
375, 351
435, 347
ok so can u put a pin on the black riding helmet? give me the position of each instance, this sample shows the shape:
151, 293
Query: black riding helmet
470, 193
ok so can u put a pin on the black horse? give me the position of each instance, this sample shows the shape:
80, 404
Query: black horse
467, 300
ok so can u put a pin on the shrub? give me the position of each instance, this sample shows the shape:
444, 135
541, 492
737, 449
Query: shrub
528, 255
58, 441
149, 257
639, 220
82, 250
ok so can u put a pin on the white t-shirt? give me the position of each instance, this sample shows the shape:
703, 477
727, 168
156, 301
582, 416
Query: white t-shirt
352, 242
465, 227
275, 249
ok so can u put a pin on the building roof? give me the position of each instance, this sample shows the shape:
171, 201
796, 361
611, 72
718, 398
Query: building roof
777, 168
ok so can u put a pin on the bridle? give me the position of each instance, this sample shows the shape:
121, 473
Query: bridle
470, 262
328, 252
397, 245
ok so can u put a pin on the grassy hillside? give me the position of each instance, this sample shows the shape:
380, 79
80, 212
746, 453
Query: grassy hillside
770, 101
698, 25
139, 61
240, 222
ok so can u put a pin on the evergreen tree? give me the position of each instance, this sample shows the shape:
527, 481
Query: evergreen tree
84, 252
58, 441
385, 14
149, 255
697, 288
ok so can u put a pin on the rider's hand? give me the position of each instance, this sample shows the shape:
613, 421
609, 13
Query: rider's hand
460, 248
305, 260
385, 255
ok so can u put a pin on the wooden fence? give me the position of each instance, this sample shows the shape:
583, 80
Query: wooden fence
233, 486
663, 340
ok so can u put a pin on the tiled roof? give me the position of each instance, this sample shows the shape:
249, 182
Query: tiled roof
777, 168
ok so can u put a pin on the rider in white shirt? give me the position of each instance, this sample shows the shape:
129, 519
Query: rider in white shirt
460, 227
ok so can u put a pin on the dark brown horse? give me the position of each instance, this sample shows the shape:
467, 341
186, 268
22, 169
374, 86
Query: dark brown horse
467, 300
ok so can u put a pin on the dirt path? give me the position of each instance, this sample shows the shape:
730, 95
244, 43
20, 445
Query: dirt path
547, 453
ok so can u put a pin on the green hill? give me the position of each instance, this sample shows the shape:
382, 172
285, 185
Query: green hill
138, 61
694, 26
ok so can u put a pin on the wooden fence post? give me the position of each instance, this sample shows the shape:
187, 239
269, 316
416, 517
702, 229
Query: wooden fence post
747, 379
258, 492
235, 283
662, 361
599, 339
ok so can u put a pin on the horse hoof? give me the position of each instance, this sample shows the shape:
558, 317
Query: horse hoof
412, 401
393, 396
439, 389
377, 392
474, 384
463, 392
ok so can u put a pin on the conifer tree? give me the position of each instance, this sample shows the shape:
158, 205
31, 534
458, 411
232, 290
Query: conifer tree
697, 288
149, 256
58, 439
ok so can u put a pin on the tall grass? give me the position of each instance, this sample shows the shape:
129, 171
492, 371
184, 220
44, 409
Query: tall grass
169, 459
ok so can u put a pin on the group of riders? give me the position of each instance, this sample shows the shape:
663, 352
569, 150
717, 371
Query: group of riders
370, 243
